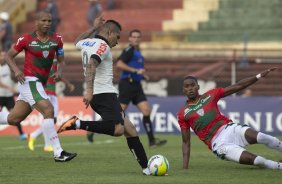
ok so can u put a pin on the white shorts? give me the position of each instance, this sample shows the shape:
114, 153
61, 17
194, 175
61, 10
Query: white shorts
32, 91
54, 101
230, 142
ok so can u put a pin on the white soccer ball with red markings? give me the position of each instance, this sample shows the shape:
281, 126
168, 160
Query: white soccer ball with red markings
158, 165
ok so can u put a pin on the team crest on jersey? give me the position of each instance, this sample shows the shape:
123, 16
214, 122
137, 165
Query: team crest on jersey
45, 53
201, 112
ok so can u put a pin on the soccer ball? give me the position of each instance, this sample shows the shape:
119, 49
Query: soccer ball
158, 165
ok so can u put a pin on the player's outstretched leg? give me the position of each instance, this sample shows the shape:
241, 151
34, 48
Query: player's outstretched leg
68, 125
250, 159
135, 146
262, 162
108, 127
269, 141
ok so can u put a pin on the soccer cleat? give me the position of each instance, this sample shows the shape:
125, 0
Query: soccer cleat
65, 157
157, 142
68, 125
90, 136
146, 172
23, 137
31, 143
48, 148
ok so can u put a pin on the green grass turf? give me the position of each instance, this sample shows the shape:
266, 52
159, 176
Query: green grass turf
108, 160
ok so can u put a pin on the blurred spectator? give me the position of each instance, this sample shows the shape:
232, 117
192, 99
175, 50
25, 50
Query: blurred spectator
54, 10
8, 90
110, 4
94, 11
6, 31
42, 5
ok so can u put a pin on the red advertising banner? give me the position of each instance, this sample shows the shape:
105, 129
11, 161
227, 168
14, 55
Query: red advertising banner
68, 106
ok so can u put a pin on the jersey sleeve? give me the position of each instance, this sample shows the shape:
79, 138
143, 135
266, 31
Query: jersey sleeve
126, 54
100, 51
181, 121
79, 44
21, 43
217, 92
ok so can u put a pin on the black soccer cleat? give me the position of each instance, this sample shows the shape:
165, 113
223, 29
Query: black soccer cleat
90, 136
157, 142
65, 157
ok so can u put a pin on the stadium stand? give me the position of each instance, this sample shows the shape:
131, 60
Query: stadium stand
259, 19
146, 15
184, 37
18, 11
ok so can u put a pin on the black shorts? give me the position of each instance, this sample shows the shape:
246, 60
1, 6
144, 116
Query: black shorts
108, 107
130, 92
7, 102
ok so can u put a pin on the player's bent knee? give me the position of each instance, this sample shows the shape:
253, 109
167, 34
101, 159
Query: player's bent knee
48, 113
14, 121
119, 130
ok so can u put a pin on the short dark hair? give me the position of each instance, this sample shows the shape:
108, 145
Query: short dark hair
134, 31
114, 22
40, 13
191, 77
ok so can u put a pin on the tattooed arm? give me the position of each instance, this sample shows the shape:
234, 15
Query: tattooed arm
90, 73
98, 22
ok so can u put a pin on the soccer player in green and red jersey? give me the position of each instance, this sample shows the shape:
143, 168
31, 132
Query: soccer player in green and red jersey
40, 48
50, 90
226, 139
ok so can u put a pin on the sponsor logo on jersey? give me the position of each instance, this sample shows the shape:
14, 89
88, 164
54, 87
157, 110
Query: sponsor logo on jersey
53, 44
34, 44
88, 44
186, 111
44, 47
45, 53
102, 49
19, 40
202, 102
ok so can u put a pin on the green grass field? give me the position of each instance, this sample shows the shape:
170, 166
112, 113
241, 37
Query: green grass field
108, 160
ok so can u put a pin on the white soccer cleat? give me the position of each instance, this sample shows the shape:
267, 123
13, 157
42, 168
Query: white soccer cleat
146, 172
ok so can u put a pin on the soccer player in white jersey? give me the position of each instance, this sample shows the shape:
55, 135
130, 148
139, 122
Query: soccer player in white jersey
100, 93
7, 90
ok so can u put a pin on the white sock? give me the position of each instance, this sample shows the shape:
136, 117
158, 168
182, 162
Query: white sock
47, 142
4, 118
77, 123
269, 141
50, 133
260, 161
37, 132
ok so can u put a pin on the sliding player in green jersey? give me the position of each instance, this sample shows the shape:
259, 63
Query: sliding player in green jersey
226, 139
